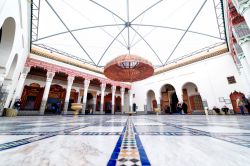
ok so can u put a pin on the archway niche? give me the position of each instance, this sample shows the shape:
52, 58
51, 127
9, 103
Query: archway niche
192, 98
7, 37
31, 97
56, 99
169, 99
151, 102
32, 94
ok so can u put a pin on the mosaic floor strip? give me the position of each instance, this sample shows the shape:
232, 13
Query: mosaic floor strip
129, 150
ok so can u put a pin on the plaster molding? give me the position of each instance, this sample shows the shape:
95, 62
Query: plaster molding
30, 62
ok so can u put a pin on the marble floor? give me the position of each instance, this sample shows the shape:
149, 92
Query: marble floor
167, 140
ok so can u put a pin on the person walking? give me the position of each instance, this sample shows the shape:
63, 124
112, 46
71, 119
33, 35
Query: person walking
240, 105
246, 103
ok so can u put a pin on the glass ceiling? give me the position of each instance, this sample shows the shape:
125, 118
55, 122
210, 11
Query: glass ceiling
97, 31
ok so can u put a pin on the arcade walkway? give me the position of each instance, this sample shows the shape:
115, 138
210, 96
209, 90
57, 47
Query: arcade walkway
121, 140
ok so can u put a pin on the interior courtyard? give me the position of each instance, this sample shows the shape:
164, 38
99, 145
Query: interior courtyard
122, 82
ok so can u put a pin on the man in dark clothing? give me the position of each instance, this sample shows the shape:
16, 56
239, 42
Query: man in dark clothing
57, 110
17, 104
184, 107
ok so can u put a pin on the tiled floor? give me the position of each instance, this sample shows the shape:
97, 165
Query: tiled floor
122, 140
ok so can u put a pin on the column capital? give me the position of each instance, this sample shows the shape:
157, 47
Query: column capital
26, 70
113, 88
70, 80
86, 83
103, 87
122, 90
50, 76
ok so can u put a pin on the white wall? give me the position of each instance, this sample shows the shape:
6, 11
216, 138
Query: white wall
210, 77
19, 11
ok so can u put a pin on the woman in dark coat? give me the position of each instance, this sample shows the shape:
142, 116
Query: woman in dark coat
184, 107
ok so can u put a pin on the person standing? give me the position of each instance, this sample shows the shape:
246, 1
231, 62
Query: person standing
184, 107
57, 108
17, 104
246, 104
179, 108
240, 105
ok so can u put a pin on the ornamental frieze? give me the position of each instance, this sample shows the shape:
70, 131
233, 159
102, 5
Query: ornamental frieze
30, 62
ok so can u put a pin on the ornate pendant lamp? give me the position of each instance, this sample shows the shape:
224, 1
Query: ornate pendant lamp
128, 68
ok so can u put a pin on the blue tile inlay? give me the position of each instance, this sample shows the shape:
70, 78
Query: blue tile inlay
114, 155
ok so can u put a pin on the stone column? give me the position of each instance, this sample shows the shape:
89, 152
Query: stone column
68, 91
158, 100
86, 87
122, 99
113, 99
20, 85
243, 8
50, 76
79, 96
103, 86
130, 101
179, 94
94, 105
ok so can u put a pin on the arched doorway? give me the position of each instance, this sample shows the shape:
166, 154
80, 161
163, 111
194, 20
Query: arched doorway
31, 97
56, 99
192, 97
151, 102
32, 94
169, 99
233, 98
